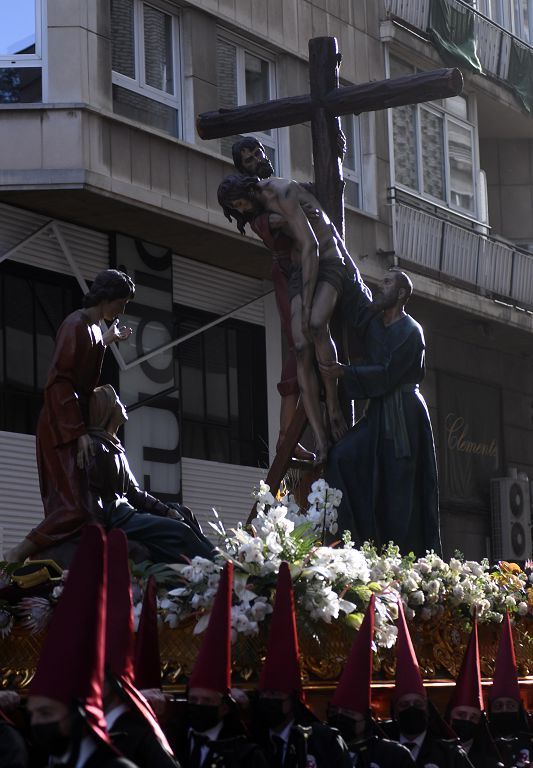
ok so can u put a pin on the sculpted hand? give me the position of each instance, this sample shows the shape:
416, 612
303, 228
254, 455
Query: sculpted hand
85, 451
332, 370
116, 333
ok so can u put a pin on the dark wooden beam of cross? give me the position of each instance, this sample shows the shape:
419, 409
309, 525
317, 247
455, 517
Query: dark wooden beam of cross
323, 106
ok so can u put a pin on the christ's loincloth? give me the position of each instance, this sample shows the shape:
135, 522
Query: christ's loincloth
332, 271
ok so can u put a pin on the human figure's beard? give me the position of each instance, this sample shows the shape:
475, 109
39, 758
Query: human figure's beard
382, 302
265, 169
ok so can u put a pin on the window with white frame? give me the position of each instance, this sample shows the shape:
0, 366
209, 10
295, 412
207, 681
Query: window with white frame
245, 76
20, 52
434, 148
146, 82
352, 164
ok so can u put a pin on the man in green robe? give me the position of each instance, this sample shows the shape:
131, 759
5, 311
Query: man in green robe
385, 465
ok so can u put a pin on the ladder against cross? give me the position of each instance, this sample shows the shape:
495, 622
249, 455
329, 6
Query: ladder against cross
323, 106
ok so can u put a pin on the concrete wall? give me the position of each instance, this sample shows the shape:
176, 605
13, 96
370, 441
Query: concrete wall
508, 164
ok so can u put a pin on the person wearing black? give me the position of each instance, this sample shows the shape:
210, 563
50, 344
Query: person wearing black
508, 720
283, 726
412, 725
385, 465
210, 732
131, 722
67, 725
465, 712
349, 710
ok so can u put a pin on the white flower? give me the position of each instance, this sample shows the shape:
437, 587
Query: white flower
263, 495
417, 598
475, 568
410, 584
273, 543
458, 592
252, 551
523, 608
260, 608
386, 635
422, 566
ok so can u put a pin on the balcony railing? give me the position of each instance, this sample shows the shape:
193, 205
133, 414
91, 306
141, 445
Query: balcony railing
493, 41
458, 254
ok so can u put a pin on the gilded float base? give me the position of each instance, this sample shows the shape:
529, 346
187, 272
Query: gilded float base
439, 646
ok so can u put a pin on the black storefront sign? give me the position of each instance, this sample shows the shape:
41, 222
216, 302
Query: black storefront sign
469, 440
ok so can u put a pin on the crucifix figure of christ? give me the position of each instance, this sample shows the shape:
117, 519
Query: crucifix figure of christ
323, 107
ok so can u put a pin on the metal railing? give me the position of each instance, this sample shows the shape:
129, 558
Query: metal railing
459, 254
493, 40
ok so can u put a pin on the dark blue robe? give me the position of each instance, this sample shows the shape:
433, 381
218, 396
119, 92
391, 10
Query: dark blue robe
385, 465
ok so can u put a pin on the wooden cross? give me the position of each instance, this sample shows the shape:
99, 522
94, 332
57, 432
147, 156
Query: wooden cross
323, 106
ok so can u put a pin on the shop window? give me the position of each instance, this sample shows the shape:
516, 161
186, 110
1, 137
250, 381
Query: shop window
223, 390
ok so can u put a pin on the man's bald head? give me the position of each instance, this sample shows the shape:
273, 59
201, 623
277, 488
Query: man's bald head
403, 283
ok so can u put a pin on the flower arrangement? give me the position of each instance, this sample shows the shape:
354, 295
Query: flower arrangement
331, 582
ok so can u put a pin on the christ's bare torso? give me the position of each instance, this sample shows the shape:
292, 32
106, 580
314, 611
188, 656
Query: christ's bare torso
274, 193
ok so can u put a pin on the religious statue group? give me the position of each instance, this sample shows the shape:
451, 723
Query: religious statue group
96, 700
384, 465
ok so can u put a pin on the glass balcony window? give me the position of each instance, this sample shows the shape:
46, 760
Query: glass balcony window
434, 149
145, 55
20, 52
245, 77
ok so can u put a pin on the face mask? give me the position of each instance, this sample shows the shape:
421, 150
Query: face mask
412, 721
505, 723
202, 717
47, 736
270, 712
347, 726
465, 729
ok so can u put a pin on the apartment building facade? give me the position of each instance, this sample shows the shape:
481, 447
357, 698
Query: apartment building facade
100, 165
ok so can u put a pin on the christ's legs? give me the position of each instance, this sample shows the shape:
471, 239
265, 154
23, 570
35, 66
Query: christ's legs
324, 302
286, 414
308, 380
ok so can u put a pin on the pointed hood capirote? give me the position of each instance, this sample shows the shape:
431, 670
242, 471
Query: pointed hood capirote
408, 677
71, 664
281, 670
468, 691
147, 662
120, 637
505, 678
212, 668
354, 689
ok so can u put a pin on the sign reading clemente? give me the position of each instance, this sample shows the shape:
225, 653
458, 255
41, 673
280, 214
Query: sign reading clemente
469, 432
458, 438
